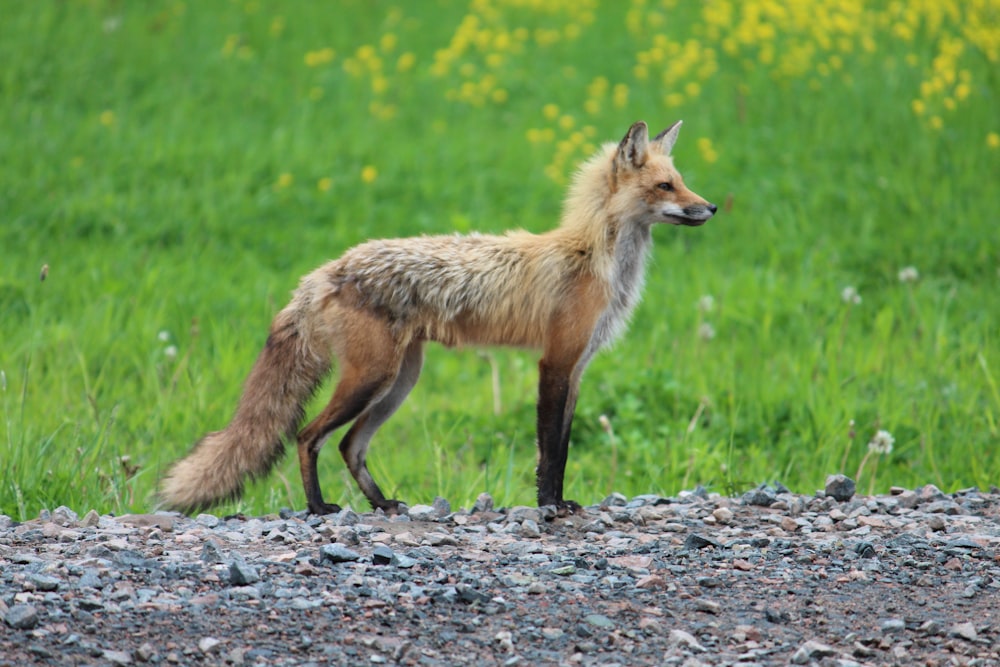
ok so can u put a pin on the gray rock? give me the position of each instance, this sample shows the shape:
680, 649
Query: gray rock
64, 516
614, 500
530, 528
685, 640
519, 513
43, 582
90, 519
21, 617
696, 541
892, 626
337, 553
840, 487
484, 503
966, 631
423, 513
382, 555
208, 645
599, 621
240, 573
441, 506
759, 497
346, 517
145, 652
118, 657
809, 650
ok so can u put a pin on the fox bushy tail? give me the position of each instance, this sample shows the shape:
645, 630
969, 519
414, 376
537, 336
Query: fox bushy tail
284, 377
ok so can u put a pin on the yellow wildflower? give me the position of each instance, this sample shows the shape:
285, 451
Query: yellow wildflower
369, 173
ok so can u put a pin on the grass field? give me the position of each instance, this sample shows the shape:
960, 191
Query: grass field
176, 166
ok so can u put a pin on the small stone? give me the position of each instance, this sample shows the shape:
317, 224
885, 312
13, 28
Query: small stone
723, 515
208, 520
519, 513
564, 570
809, 650
337, 553
759, 497
210, 552
441, 506
943, 507
599, 621
382, 555
966, 631
530, 528
789, 524
145, 652
21, 617
64, 516
685, 640
402, 561
707, 606
208, 644
865, 549
43, 582
90, 519
484, 503
840, 488
614, 500
892, 626
929, 492
164, 522
240, 573
696, 541
936, 522
422, 513
118, 657
651, 581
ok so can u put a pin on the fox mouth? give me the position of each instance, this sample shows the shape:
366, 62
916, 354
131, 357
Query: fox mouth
686, 222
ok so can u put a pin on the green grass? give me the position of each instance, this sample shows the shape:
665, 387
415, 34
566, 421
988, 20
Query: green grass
178, 166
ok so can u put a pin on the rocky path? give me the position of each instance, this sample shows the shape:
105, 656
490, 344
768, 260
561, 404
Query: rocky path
767, 579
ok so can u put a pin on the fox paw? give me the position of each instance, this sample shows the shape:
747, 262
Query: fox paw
324, 508
392, 507
567, 507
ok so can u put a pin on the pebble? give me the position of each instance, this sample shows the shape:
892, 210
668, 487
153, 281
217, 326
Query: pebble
840, 487
695, 580
21, 617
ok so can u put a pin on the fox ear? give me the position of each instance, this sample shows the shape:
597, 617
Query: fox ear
668, 138
633, 149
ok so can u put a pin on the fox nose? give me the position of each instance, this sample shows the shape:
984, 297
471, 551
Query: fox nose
713, 208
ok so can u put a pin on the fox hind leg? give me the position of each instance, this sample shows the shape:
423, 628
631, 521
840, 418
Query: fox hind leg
369, 368
354, 446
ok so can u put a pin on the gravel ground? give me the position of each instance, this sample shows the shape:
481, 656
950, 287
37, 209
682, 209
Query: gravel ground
771, 578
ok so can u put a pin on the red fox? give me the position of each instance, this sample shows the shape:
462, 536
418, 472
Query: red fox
568, 292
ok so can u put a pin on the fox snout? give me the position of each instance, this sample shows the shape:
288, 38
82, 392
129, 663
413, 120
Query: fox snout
698, 214
691, 215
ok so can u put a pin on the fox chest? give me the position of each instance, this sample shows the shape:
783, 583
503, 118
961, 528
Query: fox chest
625, 288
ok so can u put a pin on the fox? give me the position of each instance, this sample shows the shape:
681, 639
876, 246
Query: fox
568, 292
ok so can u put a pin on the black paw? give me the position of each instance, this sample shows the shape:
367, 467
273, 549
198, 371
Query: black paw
324, 508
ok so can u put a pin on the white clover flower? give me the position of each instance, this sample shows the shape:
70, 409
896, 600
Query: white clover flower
164, 335
706, 303
170, 351
881, 443
908, 274
706, 331
850, 295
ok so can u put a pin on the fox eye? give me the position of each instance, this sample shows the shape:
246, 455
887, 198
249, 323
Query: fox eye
669, 187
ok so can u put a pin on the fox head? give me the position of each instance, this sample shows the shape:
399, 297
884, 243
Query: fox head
646, 184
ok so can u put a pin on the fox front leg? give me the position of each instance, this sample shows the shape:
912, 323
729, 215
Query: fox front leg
556, 400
